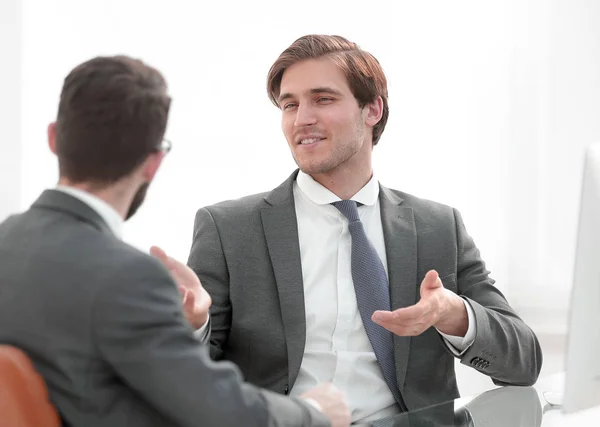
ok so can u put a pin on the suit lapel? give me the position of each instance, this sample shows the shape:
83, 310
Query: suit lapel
401, 251
281, 233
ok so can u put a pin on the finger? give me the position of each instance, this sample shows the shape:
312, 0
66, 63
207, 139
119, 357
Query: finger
177, 267
185, 296
162, 256
411, 314
431, 281
191, 299
402, 326
188, 306
383, 316
182, 290
406, 330
402, 315
159, 254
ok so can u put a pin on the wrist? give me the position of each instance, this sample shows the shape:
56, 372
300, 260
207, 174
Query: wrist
455, 320
200, 321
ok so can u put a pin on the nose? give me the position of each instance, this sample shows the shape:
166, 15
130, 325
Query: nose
305, 115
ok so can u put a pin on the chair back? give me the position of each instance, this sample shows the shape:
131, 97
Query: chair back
23, 394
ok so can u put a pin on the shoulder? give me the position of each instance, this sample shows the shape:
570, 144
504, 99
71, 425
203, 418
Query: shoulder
232, 214
421, 207
248, 207
244, 204
131, 280
129, 263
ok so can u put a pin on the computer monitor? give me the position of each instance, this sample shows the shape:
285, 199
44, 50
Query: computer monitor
582, 377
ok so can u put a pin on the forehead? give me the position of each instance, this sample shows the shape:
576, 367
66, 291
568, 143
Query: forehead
305, 75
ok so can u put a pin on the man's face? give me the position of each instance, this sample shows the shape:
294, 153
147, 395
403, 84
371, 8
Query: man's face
138, 200
321, 119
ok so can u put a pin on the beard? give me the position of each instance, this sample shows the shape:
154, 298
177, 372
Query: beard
138, 200
343, 149
339, 156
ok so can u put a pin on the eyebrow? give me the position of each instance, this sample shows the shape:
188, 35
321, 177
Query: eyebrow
313, 91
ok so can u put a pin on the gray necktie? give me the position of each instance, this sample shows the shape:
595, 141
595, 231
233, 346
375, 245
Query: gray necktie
372, 293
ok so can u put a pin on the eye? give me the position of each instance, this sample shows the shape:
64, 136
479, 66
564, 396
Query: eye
324, 100
289, 106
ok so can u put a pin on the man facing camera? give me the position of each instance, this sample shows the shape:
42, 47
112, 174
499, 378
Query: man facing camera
103, 322
334, 277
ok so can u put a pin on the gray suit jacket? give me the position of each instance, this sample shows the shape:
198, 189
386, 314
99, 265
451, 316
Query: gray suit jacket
103, 324
247, 256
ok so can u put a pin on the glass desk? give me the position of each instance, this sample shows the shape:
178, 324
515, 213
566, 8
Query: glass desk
505, 406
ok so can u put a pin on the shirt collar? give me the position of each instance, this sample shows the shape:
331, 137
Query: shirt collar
106, 211
320, 195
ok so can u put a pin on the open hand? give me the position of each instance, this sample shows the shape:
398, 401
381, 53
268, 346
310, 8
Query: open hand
438, 307
195, 299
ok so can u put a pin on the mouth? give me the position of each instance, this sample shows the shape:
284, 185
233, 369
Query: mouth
309, 141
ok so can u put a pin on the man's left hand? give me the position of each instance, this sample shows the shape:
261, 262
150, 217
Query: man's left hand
438, 307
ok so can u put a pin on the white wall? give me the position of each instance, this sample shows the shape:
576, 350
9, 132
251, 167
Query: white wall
10, 107
574, 122
555, 114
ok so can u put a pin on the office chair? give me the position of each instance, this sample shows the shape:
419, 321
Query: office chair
23, 393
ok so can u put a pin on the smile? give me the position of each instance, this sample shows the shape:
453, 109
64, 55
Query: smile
308, 141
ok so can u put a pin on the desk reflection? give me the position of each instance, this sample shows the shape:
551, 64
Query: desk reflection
503, 407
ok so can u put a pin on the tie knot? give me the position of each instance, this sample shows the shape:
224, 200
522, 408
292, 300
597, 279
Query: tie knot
348, 208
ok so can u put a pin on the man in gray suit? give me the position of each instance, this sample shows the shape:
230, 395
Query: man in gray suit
102, 321
334, 277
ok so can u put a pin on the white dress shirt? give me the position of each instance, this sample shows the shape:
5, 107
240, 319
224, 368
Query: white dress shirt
114, 221
337, 348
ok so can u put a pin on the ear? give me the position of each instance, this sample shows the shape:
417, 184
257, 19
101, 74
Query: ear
151, 165
373, 111
52, 137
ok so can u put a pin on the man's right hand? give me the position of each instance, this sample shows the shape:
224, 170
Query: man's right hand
195, 299
331, 402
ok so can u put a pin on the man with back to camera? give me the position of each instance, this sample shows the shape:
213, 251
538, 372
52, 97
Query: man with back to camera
334, 277
102, 321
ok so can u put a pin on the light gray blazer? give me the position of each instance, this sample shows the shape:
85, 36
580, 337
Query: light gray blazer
247, 255
103, 324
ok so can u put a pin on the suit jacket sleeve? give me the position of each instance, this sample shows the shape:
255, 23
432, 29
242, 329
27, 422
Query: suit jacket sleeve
505, 348
140, 331
208, 262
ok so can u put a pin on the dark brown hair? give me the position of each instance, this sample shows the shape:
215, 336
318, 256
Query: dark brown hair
112, 114
363, 72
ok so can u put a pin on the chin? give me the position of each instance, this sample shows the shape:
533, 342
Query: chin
314, 169
311, 165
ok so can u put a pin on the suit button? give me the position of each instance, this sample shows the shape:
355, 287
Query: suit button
475, 361
286, 390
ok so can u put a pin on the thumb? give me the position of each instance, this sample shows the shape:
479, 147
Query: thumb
161, 255
431, 281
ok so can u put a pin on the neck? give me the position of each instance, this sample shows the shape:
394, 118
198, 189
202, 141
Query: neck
117, 195
344, 183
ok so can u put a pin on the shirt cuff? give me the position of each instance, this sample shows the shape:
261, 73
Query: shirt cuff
200, 333
458, 345
313, 403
